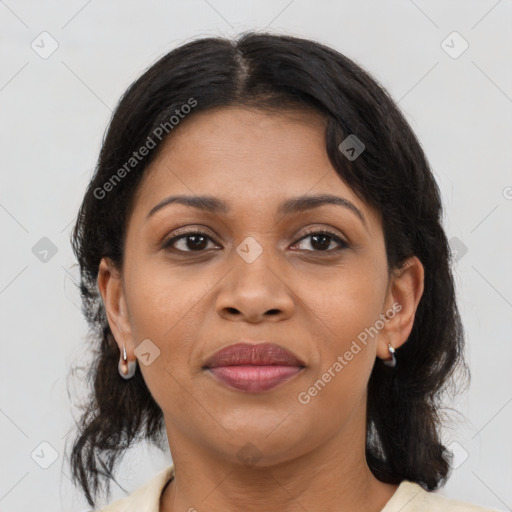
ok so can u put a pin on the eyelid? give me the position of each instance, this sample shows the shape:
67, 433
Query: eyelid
187, 230
181, 233
327, 231
192, 229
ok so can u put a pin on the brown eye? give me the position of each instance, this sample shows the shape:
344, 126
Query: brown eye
322, 240
197, 241
193, 241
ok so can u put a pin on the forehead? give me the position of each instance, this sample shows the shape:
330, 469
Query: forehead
252, 159
247, 142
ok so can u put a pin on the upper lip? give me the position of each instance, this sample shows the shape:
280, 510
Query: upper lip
262, 354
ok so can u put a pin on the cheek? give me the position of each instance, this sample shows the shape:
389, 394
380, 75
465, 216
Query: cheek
346, 312
349, 303
164, 308
161, 299
159, 306
337, 383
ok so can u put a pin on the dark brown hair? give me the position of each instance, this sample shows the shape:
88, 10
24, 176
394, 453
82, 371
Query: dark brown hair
392, 174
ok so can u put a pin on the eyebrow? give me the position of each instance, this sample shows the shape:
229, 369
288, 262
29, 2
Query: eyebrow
295, 205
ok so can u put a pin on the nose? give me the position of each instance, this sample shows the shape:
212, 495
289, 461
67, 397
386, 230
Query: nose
253, 292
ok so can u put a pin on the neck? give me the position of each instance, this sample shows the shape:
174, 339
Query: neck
333, 476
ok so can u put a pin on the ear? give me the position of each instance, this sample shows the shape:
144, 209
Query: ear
110, 284
405, 290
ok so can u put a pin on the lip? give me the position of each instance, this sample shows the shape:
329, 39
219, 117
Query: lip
254, 367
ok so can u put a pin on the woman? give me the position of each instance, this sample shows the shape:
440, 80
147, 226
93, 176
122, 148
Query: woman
266, 274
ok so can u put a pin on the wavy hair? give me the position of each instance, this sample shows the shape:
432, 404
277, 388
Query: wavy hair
267, 71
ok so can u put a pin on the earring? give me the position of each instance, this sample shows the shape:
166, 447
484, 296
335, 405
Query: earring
126, 368
391, 362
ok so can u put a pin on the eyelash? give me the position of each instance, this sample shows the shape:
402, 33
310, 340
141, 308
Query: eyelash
343, 244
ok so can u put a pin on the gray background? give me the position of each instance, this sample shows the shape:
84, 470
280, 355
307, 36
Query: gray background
56, 107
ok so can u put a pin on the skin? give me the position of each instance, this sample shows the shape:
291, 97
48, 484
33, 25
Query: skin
310, 456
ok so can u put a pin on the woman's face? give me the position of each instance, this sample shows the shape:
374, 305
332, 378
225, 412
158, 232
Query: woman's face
260, 274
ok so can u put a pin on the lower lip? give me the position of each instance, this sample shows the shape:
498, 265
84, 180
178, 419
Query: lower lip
254, 379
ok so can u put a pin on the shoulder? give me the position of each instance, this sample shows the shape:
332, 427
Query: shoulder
411, 497
144, 499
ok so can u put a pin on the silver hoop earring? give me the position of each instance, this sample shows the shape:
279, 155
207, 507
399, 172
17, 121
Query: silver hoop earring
126, 368
391, 362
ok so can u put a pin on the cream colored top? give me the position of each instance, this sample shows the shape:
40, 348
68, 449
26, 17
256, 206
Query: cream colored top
409, 497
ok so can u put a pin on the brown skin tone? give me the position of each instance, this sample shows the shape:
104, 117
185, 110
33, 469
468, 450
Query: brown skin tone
312, 456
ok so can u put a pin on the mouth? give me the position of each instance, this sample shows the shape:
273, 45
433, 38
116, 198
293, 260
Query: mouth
254, 368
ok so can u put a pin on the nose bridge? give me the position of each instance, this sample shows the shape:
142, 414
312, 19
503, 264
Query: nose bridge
254, 286
254, 267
